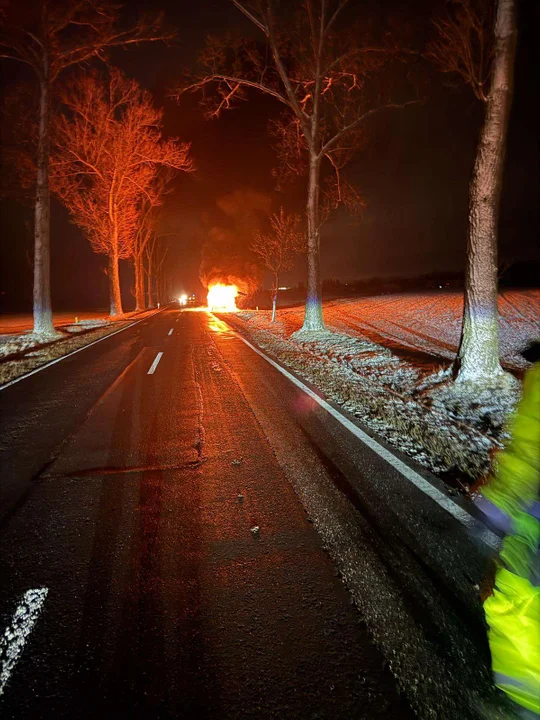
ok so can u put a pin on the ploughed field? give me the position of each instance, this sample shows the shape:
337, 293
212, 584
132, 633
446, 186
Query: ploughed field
425, 327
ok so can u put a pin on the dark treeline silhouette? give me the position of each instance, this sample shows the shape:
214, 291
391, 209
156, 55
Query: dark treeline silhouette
516, 275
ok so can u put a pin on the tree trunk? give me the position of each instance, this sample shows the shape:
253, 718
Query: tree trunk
151, 302
114, 286
313, 317
139, 285
158, 287
274, 297
43, 319
478, 357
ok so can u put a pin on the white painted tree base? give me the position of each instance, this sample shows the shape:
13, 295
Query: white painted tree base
307, 335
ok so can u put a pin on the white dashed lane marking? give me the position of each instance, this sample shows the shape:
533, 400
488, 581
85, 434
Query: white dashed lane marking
16, 634
154, 365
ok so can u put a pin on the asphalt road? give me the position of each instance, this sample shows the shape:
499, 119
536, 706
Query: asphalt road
184, 576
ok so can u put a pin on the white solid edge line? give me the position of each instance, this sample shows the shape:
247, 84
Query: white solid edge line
484, 534
154, 365
171, 331
73, 352
16, 634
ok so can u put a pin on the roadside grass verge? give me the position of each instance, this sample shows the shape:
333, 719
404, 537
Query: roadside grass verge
409, 407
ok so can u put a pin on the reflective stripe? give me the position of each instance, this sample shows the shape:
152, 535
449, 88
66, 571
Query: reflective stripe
502, 679
523, 695
493, 515
534, 575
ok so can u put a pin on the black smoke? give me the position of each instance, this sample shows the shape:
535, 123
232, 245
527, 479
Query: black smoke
226, 254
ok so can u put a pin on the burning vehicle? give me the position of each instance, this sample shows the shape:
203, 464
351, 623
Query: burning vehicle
229, 269
222, 298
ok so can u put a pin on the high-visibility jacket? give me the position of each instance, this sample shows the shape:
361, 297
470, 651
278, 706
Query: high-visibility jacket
511, 501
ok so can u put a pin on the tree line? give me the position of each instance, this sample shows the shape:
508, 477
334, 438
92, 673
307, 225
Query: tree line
331, 70
97, 142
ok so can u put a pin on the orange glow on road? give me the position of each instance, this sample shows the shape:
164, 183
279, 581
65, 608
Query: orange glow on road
218, 326
222, 298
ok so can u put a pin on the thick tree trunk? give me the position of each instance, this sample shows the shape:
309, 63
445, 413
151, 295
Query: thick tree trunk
114, 286
43, 319
478, 357
313, 317
139, 285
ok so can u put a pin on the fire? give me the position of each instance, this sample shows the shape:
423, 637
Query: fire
222, 298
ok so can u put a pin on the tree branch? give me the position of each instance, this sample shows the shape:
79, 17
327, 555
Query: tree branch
303, 117
239, 81
332, 142
250, 16
334, 16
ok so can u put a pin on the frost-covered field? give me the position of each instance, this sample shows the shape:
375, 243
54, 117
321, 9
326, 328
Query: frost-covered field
20, 323
379, 360
425, 327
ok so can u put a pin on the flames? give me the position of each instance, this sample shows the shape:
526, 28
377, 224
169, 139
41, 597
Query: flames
222, 298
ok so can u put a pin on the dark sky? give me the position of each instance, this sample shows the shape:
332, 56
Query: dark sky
413, 174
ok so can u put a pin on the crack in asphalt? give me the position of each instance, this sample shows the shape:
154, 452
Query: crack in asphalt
200, 431
190, 465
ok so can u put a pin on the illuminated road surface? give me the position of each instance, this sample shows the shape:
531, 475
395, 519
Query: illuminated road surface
147, 500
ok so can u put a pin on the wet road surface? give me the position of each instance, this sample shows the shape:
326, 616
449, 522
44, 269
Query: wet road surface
214, 544
184, 577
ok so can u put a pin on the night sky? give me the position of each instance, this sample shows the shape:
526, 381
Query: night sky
413, 174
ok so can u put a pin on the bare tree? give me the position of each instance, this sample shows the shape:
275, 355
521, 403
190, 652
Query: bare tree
278, 248
141, 240
151, 205
48, 37
321, 70
108, 149
479, 45
149, 270
161, 251
155, 253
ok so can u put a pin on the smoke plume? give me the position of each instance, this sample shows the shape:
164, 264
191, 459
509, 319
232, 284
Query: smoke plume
226, 254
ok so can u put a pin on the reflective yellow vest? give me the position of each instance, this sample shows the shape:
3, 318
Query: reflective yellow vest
513, 611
